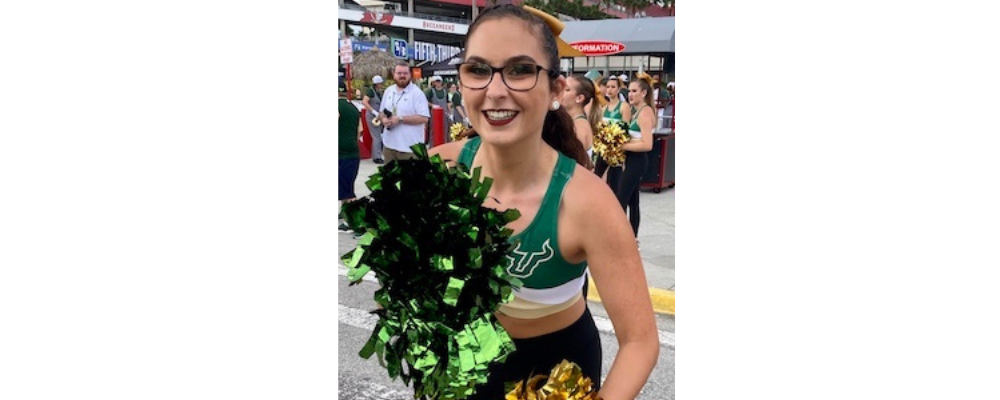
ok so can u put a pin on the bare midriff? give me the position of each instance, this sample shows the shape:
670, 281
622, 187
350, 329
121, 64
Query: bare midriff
528, 328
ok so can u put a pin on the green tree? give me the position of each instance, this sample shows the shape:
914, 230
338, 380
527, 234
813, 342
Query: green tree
633, 6
573, 8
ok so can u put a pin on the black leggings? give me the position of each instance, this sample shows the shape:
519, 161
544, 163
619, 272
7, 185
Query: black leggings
614, 173
579, 343
628, 186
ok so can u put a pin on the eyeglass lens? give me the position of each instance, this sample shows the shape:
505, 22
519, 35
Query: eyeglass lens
520, 76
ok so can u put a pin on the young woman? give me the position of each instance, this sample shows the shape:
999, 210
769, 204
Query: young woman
525, 141
614, 111
640, 129
578, 93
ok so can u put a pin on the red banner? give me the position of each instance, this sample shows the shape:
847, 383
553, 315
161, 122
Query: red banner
598, 47
377, 18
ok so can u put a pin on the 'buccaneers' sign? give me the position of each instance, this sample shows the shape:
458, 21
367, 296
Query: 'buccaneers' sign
598, 47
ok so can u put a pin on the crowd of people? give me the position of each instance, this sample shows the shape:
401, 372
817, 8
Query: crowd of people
532, 132
437, 93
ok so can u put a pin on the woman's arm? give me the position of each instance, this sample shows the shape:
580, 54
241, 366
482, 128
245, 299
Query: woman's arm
595, 221
448, 151
646, 123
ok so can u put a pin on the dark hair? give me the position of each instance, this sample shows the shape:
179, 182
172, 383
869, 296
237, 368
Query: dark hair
557, 130
586, 87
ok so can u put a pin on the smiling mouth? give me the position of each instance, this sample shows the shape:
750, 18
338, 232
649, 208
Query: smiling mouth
499, 117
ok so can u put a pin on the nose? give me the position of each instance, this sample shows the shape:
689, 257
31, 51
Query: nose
496, 90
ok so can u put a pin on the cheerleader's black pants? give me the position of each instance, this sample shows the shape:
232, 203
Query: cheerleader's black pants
628, 186
579, 343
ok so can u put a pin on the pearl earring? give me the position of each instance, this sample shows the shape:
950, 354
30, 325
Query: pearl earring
555, 105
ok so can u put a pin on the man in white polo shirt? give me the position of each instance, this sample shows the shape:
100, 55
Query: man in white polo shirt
408, 112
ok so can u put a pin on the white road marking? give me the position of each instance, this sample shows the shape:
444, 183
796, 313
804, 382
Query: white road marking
365, 390
357, 318
362, 319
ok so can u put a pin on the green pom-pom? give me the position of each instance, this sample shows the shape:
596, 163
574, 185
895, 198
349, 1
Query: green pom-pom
440, 258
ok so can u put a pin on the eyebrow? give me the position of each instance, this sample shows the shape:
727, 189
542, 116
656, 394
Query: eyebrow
517, 58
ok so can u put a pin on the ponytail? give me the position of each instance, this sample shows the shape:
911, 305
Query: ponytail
586, 87
558, 131
646, 83
649, 93
594, 116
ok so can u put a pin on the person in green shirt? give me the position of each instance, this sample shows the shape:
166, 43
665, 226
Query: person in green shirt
458, 115
437, 95
348, 156
373, 102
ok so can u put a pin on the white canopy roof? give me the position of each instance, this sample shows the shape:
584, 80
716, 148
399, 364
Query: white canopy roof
639, 35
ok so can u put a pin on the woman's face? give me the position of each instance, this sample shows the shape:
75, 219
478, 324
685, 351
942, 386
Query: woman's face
611, 89
500, 115
636, 96
570, 98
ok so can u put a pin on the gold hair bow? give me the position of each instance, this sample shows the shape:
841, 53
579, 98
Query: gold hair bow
601, 100
644, 76
556, 26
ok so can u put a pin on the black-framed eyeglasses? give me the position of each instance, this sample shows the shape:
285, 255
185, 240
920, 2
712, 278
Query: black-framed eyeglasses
519, 77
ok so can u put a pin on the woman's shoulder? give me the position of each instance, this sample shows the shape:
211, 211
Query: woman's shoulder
586, 194
588, 208
449, 151
647, 111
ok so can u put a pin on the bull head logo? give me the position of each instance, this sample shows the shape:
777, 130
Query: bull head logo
522, 263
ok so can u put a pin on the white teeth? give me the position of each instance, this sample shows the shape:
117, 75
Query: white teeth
499, 115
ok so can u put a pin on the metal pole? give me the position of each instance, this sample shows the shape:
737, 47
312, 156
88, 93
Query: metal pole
412, 45
410, 39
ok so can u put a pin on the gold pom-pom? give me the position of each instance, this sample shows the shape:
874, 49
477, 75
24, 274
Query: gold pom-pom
608, 142
456, 131
565, 382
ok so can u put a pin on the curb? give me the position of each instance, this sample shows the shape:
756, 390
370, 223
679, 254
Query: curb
663, 300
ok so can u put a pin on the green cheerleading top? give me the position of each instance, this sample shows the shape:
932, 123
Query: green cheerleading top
550, 283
